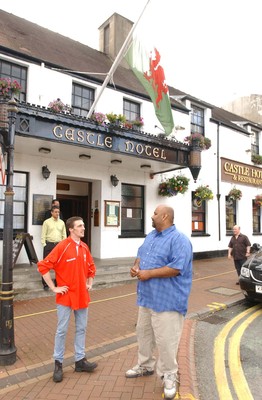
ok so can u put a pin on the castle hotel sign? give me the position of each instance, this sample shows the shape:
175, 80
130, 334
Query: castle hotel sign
238, 173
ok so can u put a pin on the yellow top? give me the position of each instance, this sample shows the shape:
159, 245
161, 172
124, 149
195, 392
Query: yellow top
53, 230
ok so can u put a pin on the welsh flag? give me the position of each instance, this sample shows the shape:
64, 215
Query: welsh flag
146, 66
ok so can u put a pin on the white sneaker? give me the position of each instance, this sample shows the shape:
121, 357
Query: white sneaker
137, 371
170, 387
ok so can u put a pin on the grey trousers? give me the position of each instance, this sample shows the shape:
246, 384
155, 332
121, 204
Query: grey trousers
162, 330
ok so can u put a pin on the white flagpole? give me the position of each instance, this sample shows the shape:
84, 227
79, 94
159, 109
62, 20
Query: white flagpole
115, 64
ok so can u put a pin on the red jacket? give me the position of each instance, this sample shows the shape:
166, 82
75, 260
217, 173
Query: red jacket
72, 270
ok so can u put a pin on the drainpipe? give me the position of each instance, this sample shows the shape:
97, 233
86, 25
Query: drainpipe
218, 185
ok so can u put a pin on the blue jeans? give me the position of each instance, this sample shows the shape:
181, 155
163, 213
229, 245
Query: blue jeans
63, 317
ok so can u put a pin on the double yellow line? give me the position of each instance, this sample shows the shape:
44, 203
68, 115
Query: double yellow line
236, 372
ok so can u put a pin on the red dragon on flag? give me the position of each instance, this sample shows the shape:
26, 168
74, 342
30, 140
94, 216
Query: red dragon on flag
156, 76
146, 66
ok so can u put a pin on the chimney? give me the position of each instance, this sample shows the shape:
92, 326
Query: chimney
112, 34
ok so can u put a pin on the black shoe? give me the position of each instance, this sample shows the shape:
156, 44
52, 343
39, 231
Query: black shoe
58, 372
85, 366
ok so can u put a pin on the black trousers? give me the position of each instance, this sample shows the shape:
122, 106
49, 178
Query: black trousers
47, 249
238, 265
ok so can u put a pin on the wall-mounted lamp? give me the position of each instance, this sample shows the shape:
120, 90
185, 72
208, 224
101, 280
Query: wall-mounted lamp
116, 161
248, 151
114, 180
45, 172
84, 156
145, 166
44, 150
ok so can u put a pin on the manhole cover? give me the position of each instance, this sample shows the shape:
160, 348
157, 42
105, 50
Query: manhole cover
224, 291
215, 319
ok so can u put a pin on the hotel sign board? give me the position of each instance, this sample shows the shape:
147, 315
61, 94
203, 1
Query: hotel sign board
242, 174
82, 133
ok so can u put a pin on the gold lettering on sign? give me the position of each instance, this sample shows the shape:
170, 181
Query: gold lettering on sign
108, 142
69, 134
163, 154
237, 172
148, 150
100, 140
80, 136
88, 138
130, 147
139, 148
99, 143
156, 152
58, 127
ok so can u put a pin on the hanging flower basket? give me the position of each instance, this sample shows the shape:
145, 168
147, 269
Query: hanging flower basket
137, 124
258, 200
203, 193
235, 194
98, 117
9, 88
256, 159
172, 186
57, 106
116, 119
198, 140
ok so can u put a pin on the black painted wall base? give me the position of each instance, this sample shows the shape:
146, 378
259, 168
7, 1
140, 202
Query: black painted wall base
210, 254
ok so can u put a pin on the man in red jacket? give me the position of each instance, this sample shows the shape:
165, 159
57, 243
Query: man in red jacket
75, 270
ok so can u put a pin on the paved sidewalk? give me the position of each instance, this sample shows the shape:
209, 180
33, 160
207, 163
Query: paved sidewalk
111, 341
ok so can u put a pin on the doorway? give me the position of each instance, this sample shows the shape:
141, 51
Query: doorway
77, 206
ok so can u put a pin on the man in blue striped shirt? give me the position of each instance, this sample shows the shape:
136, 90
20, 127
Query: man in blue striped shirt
163, 268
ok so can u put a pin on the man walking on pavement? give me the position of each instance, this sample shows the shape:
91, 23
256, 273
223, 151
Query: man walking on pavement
163, 268
75, 270
239, 248
53, 231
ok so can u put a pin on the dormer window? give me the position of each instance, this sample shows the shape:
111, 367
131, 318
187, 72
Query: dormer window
197, 120
254, 142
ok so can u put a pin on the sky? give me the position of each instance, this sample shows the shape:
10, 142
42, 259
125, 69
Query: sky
210, 49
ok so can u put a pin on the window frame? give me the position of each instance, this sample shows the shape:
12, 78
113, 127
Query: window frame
254, 142
256, 212
230, 204
24, 201
198, 214
17, 72
131, 110
197, 120
79, 109
125, 233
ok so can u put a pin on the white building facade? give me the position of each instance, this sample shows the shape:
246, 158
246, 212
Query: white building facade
82, 156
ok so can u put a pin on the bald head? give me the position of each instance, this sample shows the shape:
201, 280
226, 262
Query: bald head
163, 217
236, 230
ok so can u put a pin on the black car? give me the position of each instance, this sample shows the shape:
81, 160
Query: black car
250, 279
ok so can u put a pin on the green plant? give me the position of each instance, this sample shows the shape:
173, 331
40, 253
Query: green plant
138, 122
256, 159
196, 138
173, 186
116, 118
111, 117
121, 118
235, 194
203, 193
8, 87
